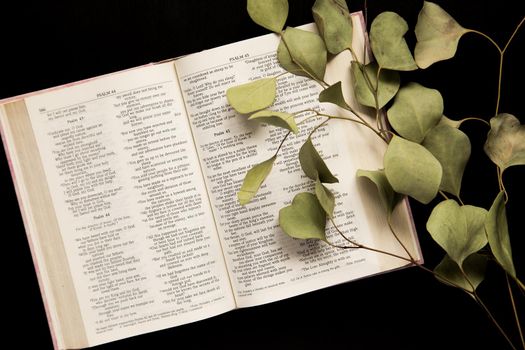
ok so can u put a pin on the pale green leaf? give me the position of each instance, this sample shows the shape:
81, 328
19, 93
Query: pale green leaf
437, 35
305, 218
474, 267
447, 225
412, 170
279, 119
476, 216
326, 198
388, 197
386, 89
313, 165
253, 180
498, 234
388, 45
270, 14
416, 109
253, 96
458, 229
303, 53
334, 23
333, 94
505, 143
452, 148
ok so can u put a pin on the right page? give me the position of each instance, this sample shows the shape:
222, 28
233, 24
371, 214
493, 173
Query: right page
264, 263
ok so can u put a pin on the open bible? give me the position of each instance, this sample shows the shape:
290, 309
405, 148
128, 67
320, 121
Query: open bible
127, 185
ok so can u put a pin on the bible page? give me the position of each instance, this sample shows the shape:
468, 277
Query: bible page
264, 263
131, 204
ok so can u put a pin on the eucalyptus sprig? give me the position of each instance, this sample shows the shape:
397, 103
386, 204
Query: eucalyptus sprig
426, 154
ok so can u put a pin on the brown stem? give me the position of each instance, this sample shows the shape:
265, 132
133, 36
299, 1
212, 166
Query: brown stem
489, 314
397, 237
515, 310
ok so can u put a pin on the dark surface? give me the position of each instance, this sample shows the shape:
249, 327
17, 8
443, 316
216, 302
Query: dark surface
50, 44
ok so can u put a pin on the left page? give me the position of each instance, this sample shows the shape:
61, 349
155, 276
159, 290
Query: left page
130, 202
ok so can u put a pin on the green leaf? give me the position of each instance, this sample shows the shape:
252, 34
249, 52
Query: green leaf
476, 216
388, 197
474, 267
386, 90
305, 218
270, 14
412, 170
333, 94
388, 45
452, 148
416, 109
437, 35
505, 143
279, 119
458, 229
326, 198
253, 96
334, 23
498, 234
253, 180
303, 53
313, 165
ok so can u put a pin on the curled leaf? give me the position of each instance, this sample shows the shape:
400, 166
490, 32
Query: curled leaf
474, 268
412, 170
333, 94
452, 148
386, 89
498, 234
270, 14
253, 96
388, 45
334, 23
416, 109
303, 53
458, 229
279, 119
313, 165
437, 35
388, 197
505, 143
253, 180
305, 218
326, 198
450, 122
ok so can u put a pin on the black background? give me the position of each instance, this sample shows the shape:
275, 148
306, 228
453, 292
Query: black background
47, 44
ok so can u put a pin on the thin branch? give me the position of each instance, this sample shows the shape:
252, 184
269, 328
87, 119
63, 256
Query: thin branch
397, 237
474, 118
358, 245
515, 310
513, 34
489, 314
282, 142
488, 38
443, 194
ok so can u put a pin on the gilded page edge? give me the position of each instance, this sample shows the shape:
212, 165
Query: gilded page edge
43, 233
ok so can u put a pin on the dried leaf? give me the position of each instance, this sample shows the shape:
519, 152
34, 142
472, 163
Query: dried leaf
253, 180
412, 170
305, 218
270, 14
388, 45
253, 96
437, 35
416, 109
